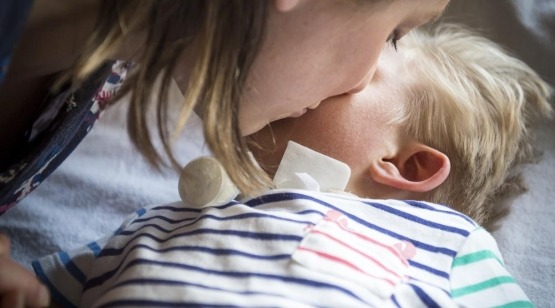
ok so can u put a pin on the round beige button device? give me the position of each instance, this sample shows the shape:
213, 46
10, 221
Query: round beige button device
204, 182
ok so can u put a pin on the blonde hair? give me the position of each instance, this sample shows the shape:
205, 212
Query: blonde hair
476, 103
229, 33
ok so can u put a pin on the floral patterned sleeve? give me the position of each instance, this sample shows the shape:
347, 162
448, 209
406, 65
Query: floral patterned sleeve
57, 132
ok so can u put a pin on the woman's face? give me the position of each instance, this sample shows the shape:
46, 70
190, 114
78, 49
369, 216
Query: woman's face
318, 49
355, 129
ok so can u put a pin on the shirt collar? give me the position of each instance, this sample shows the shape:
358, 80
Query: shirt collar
304, 168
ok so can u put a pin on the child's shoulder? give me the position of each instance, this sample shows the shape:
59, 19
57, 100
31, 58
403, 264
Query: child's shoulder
410, 214
423, 213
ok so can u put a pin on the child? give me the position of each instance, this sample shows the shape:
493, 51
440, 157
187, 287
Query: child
308, 243
459, 101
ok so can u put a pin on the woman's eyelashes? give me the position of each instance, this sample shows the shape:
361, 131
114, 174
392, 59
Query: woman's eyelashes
393, 39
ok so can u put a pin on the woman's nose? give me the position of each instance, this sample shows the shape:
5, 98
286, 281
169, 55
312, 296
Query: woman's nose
364, 82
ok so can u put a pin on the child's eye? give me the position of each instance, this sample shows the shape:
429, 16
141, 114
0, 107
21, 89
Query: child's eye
393, 39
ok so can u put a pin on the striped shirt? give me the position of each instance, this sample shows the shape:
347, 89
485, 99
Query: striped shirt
288, 248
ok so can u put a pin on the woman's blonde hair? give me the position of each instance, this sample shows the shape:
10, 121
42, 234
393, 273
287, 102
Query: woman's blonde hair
476, 103
229, 34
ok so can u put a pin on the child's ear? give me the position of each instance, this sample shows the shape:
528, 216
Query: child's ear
286, 5
416, 168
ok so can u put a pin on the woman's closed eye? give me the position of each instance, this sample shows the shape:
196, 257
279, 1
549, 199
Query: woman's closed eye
393, 38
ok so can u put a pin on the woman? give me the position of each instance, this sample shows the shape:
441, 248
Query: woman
240, 65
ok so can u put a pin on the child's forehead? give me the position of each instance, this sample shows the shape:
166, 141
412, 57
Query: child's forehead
399, 67
409, 63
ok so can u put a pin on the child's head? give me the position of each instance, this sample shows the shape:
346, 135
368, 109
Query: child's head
446, 119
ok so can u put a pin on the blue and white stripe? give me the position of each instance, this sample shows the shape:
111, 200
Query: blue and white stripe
240, 254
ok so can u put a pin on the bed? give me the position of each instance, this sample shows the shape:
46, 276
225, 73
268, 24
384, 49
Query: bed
105, 179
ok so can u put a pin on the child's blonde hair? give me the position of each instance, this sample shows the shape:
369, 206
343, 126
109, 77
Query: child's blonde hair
476, 103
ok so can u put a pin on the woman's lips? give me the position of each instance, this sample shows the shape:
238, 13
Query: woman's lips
300, 113
297, 113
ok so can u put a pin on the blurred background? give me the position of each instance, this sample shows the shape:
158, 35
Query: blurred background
525, 27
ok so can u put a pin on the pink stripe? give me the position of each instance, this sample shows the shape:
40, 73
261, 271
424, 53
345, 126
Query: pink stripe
377, 262
344, 262
396, 252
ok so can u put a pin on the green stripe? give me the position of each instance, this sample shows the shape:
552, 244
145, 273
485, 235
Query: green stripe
518, 304
475, 257
482, 285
